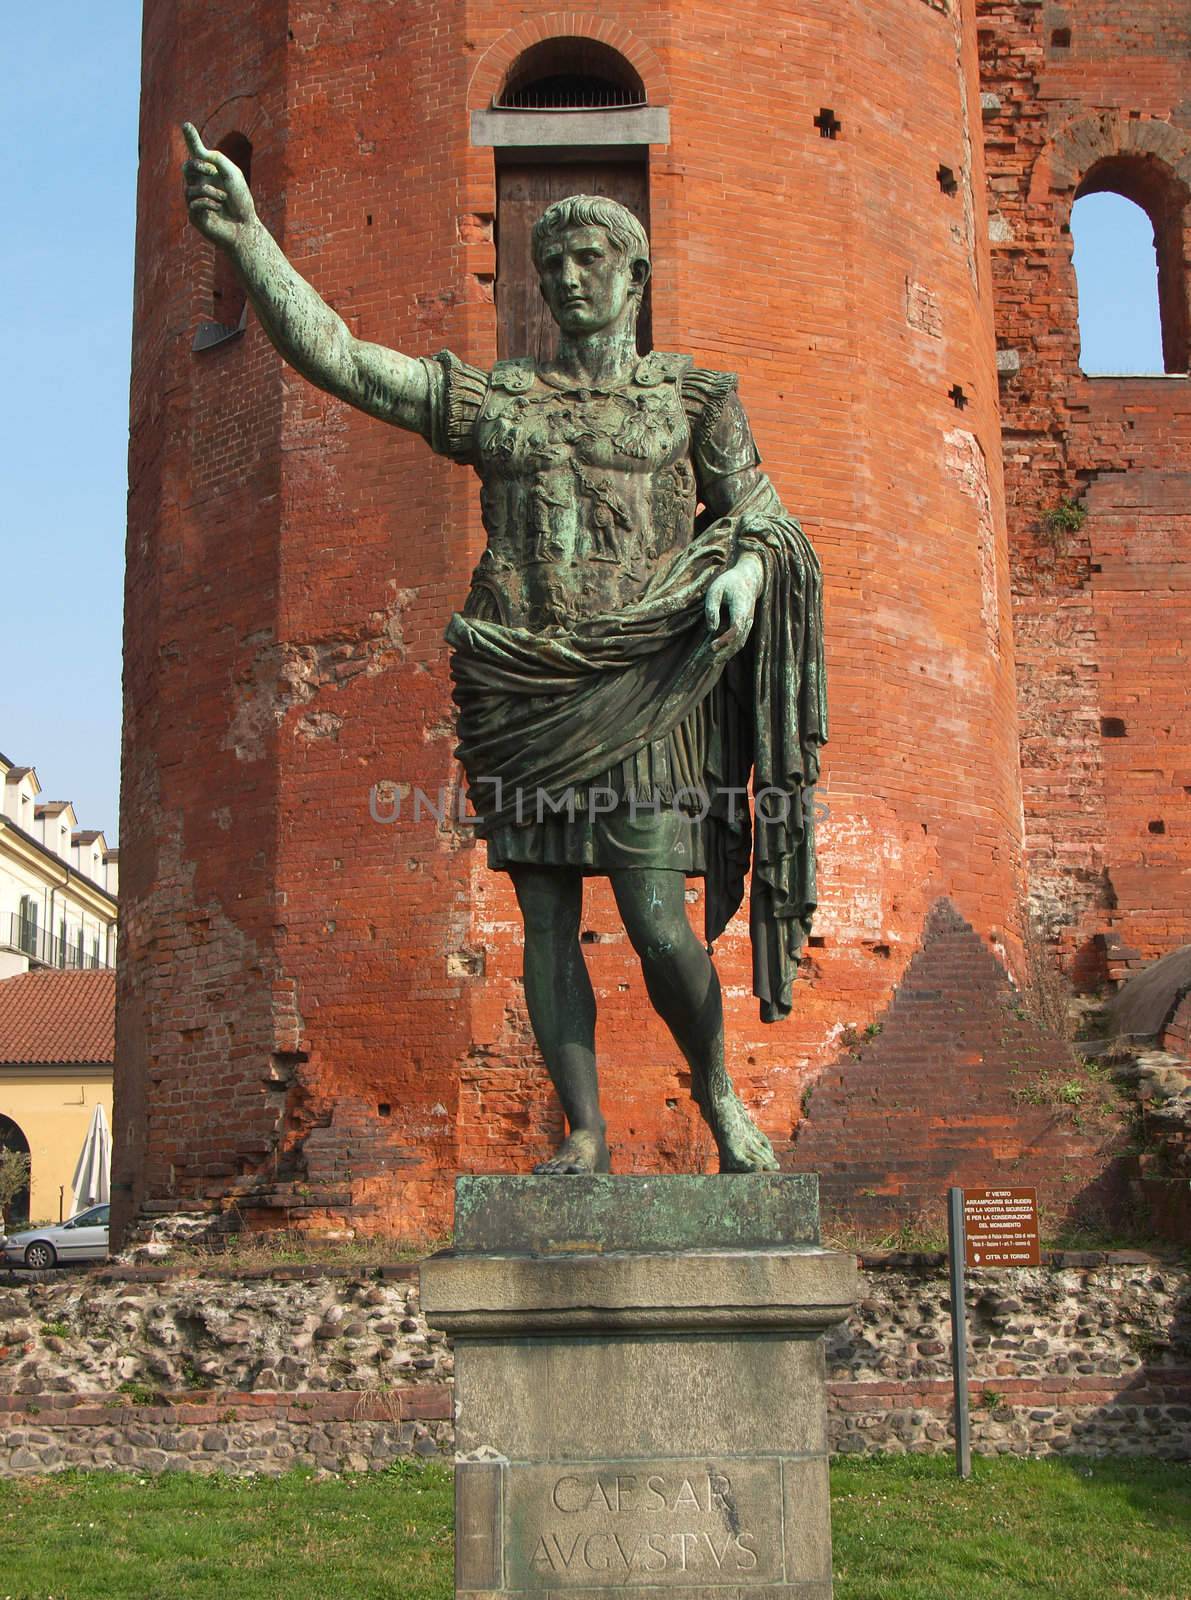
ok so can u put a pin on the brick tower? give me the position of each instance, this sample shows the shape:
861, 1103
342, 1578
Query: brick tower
320, 1013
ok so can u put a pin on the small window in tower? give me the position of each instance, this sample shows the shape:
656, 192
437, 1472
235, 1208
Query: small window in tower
229, 303
1060, 38
1127, 228
227, 296
828, 124
570, 74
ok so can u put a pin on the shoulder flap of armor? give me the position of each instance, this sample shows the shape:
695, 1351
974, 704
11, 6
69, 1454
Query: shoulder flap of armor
659, 367
705, 392
515, 377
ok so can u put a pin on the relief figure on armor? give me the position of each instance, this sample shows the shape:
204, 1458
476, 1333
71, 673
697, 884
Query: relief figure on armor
641, 641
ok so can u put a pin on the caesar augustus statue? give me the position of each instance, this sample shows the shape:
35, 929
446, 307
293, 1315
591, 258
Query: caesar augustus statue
609, 710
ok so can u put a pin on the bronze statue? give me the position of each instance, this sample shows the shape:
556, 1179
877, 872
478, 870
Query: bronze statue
642, 632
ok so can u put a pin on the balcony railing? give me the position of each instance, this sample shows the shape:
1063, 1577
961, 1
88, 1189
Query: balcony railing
41, 947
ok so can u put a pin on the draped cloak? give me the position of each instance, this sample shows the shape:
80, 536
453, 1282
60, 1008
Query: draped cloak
544, 713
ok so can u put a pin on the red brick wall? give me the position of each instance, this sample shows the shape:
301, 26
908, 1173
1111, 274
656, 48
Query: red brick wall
290, 966
1101, 614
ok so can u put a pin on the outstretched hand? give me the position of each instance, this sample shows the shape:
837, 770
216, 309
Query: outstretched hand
735, 591
217, 196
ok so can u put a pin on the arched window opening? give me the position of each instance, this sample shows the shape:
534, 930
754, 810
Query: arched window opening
570, 75
227, 295
11, 1138
1127, 225
229, 303
564, 75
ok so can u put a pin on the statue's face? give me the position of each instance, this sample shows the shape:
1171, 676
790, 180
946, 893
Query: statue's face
586, 281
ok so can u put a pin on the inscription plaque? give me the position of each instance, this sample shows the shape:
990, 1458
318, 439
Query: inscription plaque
1001, 1228
644, 1525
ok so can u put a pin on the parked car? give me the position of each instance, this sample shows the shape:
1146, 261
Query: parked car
83, 1238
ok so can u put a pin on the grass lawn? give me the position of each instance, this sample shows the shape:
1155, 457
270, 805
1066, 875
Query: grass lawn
905, 1529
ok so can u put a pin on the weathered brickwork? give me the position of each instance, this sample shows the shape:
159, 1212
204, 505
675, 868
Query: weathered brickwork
320, 1016
1094, 93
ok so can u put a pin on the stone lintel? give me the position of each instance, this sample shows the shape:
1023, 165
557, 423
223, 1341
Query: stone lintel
803, 1290
644, 125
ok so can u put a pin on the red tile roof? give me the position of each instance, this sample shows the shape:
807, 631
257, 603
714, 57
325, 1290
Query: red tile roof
58, 1016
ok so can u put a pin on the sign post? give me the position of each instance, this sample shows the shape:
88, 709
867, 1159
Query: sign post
985, 1228
959, 1331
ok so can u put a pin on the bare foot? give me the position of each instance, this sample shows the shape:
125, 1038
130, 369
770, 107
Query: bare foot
742, 1145
582, 1152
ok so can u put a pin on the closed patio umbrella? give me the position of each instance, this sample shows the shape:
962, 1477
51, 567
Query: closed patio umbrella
93, 1175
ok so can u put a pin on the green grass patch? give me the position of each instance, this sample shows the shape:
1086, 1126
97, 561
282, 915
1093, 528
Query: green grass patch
905, 1529
105, 1536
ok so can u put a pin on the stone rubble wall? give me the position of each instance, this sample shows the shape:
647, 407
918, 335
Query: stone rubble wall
249, 1370
1089, 1354
257, 1371
235, 1433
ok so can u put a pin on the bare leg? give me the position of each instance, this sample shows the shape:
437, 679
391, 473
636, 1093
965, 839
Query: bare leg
685, 992
562, 1009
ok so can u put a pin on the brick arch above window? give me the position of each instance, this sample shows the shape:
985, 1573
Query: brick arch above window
241, 114
493, 66
1088, 140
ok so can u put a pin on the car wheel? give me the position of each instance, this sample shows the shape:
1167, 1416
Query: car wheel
40, 1254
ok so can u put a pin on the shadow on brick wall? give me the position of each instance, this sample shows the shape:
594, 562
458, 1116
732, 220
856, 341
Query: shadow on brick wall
959, 1084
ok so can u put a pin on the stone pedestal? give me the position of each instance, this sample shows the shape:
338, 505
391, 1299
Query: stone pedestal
639, 1389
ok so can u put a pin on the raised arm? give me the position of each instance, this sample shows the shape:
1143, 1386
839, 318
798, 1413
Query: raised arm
310, 336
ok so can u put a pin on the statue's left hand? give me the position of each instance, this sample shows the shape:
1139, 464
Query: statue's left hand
736, 591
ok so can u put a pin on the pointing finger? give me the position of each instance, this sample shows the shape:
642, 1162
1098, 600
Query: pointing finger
193, 143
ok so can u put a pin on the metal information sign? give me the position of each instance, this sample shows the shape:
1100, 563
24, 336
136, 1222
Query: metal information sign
1001, 1228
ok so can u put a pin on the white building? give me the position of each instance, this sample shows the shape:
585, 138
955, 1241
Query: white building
57, 882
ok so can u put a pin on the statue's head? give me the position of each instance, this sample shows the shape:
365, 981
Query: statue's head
592, 257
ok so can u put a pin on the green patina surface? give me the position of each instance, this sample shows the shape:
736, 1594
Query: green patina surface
623, 666
672, 1212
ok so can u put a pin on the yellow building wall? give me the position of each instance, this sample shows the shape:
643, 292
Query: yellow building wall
53, 1111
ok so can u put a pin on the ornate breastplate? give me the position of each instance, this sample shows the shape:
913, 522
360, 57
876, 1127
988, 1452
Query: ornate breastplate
586, 492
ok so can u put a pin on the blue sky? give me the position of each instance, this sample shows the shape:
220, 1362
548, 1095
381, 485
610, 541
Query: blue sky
68, 119
1118, 286
68, 123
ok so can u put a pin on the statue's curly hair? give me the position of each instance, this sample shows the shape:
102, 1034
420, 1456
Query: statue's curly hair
591, 211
